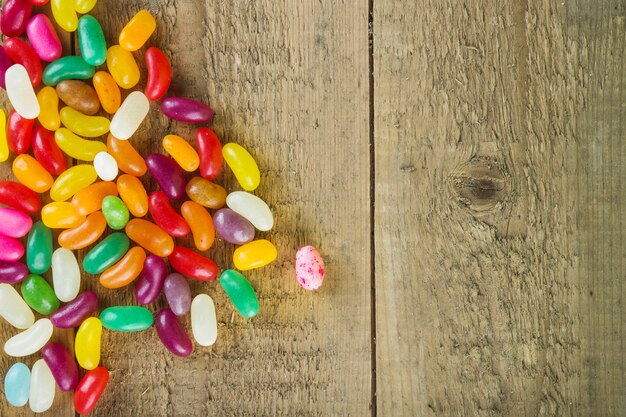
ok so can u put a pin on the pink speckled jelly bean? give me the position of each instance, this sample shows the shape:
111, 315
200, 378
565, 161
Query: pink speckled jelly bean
43, 38
309, 268
10, 249
14, 223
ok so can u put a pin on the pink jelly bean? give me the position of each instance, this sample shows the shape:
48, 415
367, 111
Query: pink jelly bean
5, 63
309, 268
14, 223
43, 38
10, 249
14, 17
12, 272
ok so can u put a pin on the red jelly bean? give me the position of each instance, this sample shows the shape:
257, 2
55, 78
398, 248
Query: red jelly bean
19, 131
165, 216
172, 333
61, 364
159, 73
210, 152
192, 264
22, 53
5, 63
47, 152
90, 389
14, 17
38, 2
16, 195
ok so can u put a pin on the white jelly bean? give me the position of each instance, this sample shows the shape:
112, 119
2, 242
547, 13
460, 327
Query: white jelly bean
106, 166
65, 274
20, 92
42, 387
203, 320
252, 208
14, 309
30, 340
129, 116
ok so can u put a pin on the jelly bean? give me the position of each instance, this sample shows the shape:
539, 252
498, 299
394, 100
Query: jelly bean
4, 144
206, 193
14, 194
182, 152
252, 208
22, 53
61, 364
67, 68
233, 227
115, 212
137, 31
20, 92
90, 198
84, 6
39, 248
17, 384
39, 295
133, 194
243, 166
73, 313
106, 166
87, 344
240, 292
309, 268
76, 147
72, 181
108, 91
38, 2
65, 274
61, 215
172, 333
159, 73
90, 389
93, 45
49, 105
5, 63
128, 159
150, 282
10, 249
79, 96
125, 271
167, 173
165, 216
186, 110
14, 17
47, 152
192, 264
30, 340
122, 67
14, 309
201, 224
255, 254
29, 172
130, 115
14, 223
64, 13
85, 234
177, 293
44, 38
126, 318
12, 272
106, 253
210, 152
19, 133
87, 126
203, 320
150, 237
42, 387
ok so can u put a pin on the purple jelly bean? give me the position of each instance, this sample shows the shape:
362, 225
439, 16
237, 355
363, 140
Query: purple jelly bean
10, 249
61, 364
12, 272
14, 223
172, 333
5, 63
14, 17
43, 38
151, 280
186, 110
168, 174
177, 293
73, 313
233, 227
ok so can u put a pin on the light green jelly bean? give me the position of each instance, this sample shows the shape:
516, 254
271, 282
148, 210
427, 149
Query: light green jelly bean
67, 68
240, 292
106, 253
39, 295
126, 318
93, 45
115, 212
39, 248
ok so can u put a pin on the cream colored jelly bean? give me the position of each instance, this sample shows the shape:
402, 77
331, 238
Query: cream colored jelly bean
42, 387
20, 92
14, 309
65, 274
203, 320
255, 210
31, 340
130, 115
105, 166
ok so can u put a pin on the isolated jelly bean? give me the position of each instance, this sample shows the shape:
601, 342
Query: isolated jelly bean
29, 172
61, 215
49, 105
177, 293
19, 133
43, 37
84, 6
14, 194
165, 216
17, 384
14, 223
200, 223
10, 249
47, 152
85, 234
192, 264
128, 159
131, 113
64, 13
182, 152
186, 110
72, 181
122, 67
21, 93
210, 152
126, 270
76, 147
73, 313
105, 166
61, 364
203, 320
233, 227
12, 272
172, 333
255, 254
79, 95
42, 387
150, 237
93, 45
90, 198
65, 274
39, 295
14, 309
167, 173
206, 193
252, 208
159, 73
14, 17
243, 166
67, 68
90, 389
39, 248
309, 268
240, 292
106, 253
30, 340
137, 31
22, 53
5, 63
126, 318
150, 282
133, 194
87, 343
4, 144
108, 91
115, 212
83, 125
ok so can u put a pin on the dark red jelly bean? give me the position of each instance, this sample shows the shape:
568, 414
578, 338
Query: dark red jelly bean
5, 63
16, 195
73, 313
150, 282
14, 17
90, 389
61, 364
172, 333
186, 110
38, 2
192, 264
12, 272
168, 174
22, 53
210, 152
159, 73
19, 132
47, 152
165, 216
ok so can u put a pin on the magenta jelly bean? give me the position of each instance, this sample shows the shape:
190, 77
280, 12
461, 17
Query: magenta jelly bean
14, 17
12, 272
186, 110
76, 311
177, 294
233, 227
150, 283
168, 174
61, 364
10, 249
5, 63
43, 38
14, 223
172, 333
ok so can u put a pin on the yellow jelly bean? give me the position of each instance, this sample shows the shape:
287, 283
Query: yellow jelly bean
72, 181
137, 31
122, 66
77, 147
83, 125
87, 346
49, 105
29, 172
255, 254
4, 145
64, 12
108, 91
182, 152
61, 215
85, 6
243, 166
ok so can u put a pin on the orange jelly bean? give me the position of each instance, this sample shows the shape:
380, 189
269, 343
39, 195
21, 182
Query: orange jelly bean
182, 152
29, 172
125, 271
89, 199
150, 236
201, 224
61, 215
206, 193
84, 234
127, 158
108, 92
133, 194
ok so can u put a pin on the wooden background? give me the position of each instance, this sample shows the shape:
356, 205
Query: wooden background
458, 162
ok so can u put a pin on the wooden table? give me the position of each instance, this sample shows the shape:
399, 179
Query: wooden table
460, 164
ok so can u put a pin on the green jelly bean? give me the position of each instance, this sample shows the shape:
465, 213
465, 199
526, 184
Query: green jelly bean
106, 253
39, 248
39, 295
93, 46
240, 292
115, 212
126, 318
67, 68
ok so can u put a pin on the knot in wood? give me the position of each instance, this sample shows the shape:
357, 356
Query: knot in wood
481, 185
